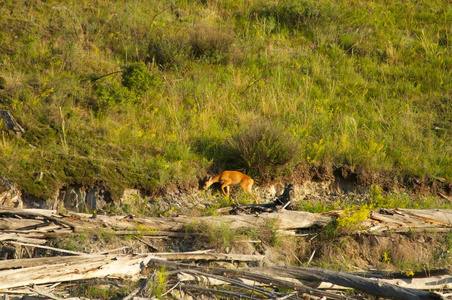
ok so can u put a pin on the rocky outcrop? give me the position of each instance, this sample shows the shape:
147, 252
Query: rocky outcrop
10, 195
80, 198
10, 122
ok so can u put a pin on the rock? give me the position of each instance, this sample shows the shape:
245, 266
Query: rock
9, 194
80, 198
10, 122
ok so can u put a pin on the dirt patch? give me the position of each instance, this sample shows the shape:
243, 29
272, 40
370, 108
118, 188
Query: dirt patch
389, 252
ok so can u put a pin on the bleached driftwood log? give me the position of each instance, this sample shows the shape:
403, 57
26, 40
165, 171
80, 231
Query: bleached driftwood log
69, 269
21, 272
285, 220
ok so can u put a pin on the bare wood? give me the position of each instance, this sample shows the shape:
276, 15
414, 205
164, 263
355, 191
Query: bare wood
92, 266
35, 262
229, 293
236, 282
247, 274
209, 256
372, 286
23, 238
48, 248
41, 292
194, 255
287, 220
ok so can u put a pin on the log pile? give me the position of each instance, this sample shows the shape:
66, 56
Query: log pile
40, 276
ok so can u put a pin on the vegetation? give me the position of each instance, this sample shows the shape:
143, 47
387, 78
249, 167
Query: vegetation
146, 93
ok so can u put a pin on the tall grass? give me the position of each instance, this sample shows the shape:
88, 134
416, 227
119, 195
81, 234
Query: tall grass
357, 83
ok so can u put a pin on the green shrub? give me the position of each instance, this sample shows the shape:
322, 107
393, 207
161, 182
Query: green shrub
137, 78
110, 95
262, 149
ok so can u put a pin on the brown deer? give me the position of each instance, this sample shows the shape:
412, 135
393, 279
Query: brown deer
228, 178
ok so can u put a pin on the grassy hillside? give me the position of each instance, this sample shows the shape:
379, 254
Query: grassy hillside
146, 93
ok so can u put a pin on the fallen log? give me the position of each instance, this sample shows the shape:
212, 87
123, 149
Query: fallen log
82, 257
286, 220
245, 274
271, 276
371, 286
70, 269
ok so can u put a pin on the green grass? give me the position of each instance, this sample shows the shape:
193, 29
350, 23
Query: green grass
350, 82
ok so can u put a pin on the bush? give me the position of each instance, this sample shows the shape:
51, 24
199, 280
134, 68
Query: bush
109, 95
210, 43
289, 14
167, 51
137, 78
262, 149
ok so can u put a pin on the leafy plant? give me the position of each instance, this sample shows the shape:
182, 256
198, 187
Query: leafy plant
159, 283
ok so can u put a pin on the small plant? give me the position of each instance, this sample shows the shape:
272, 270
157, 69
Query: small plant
112, 95
159, 282
219, 235
353, 216
314, 207
97, 290
216, 203
269, 233
329, 231
386, 258
168, 51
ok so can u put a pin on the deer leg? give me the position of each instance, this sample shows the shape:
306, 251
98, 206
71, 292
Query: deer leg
227, 191
223, 186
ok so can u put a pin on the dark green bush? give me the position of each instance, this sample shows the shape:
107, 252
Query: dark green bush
137, 78
110, 95
262, 149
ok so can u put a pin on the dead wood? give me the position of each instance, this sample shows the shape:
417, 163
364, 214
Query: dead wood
208, 256
287, 220
48, 248
40, 291
68, 269
271, 281
369, 286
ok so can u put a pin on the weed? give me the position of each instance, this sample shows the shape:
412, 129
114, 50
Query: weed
269, 233
386, 258
158, 284
353, 216
96, 289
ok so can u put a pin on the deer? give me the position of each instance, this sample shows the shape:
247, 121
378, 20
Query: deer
228, 178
